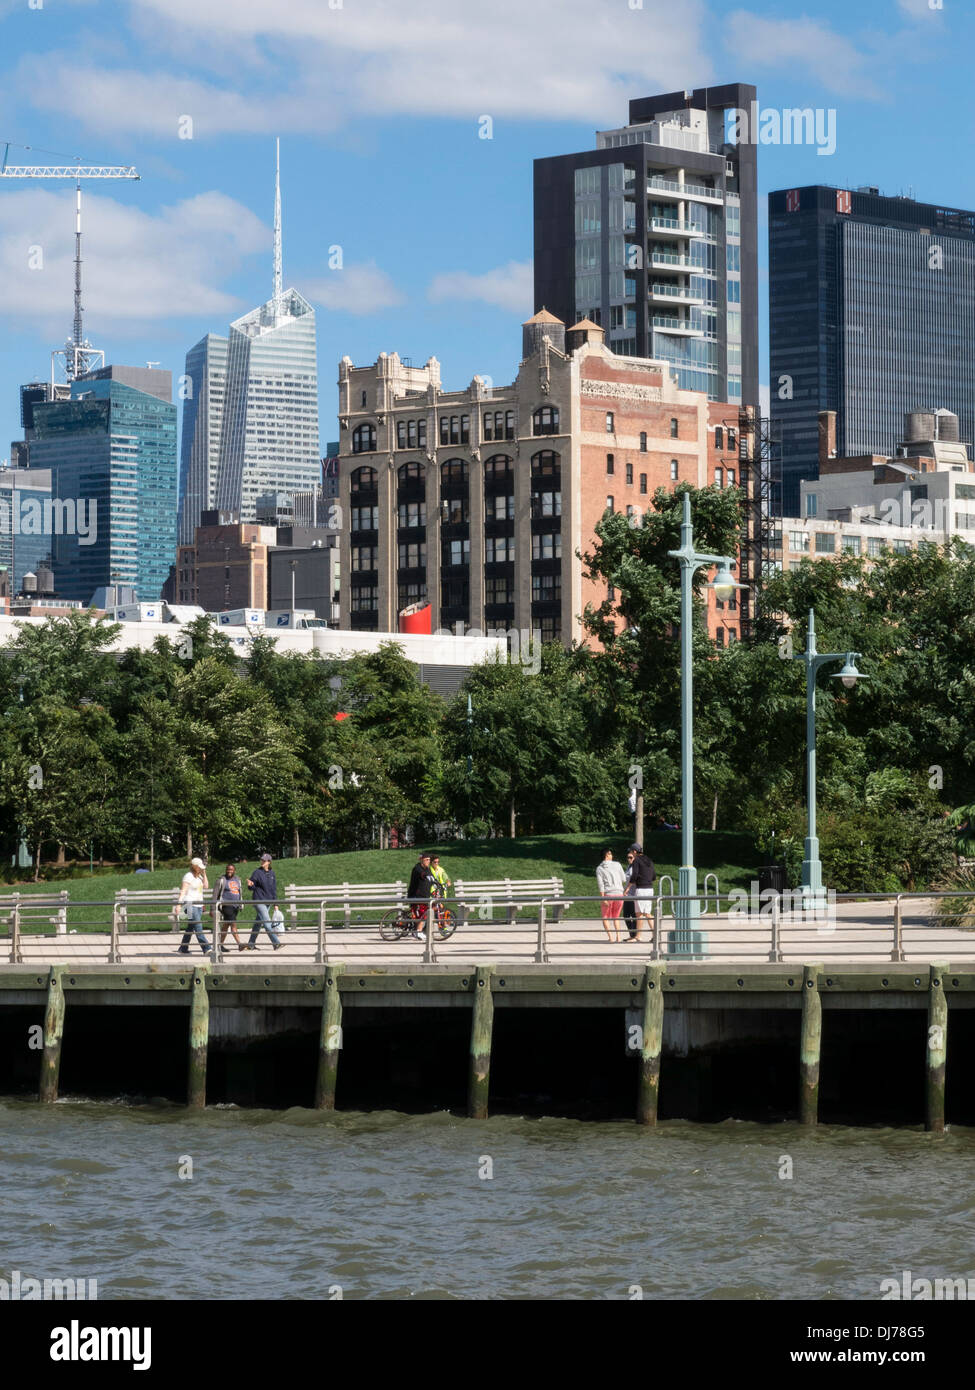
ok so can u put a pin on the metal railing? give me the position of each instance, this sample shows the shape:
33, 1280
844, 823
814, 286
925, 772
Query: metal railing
732, 927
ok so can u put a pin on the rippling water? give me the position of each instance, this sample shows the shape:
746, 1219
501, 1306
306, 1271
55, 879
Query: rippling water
291, 1204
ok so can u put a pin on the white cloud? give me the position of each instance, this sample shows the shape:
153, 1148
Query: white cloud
304, 66
354, 289
509, 286
802, 48
137, 266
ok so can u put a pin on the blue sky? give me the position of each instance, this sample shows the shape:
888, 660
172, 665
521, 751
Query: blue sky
378, 105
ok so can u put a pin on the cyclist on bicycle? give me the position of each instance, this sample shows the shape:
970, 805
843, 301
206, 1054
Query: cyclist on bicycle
440, 874
421, 889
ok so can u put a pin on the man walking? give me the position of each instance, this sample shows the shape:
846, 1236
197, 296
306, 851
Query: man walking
642, 875
263, 884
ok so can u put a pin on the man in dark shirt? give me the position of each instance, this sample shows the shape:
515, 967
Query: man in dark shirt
422, 883
642, 875
263, 884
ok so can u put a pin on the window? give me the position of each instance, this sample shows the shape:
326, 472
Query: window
629, 473
364, 439
643, 441
546, 504
509, 424
643, 482
401, 434
732, 635
799, 540
498, 467
455, 511
812, 504
411, 514
732, 439
411, 593
718, 437
455, 429
545, 420
610, 423
610, 463
410, 472
610, 504
365, 557
411, 427
364, 598
362, 479
363, 401
734, 258
875, 546
488, 424
902, 547
719, 637
498, 549
421, 434
465, 429
499, 590
547, 546
546, 465
611, 592
719, 477
674, 471
444, 430
456, 552
413, 555
825, 543
454, 471
548, 629
365, 519
546, 588
730, 476
629, 510
851, 545
673, 429
500, 507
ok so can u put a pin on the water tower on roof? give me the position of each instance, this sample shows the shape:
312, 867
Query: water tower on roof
539, 326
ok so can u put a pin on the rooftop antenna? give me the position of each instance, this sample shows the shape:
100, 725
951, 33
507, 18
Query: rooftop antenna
278, 272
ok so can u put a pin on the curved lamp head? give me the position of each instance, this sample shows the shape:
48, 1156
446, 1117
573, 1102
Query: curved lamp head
849, 675
724, 583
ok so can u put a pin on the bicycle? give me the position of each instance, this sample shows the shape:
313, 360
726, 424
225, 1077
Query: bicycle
399, 922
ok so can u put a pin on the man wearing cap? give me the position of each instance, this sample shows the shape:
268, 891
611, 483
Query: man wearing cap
191, 901
263, 884
418, 893
640, 889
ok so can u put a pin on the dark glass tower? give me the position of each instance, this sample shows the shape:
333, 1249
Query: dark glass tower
654, 236
872, 314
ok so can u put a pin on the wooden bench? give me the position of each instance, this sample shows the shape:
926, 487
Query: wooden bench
341, 895
514, 893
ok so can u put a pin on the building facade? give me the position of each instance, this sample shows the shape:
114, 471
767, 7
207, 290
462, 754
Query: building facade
205, 389
111, 452
654, 236
479, 500
871, 306
24, 543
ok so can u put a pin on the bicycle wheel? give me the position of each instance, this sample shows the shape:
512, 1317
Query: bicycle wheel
446, 924
393, 925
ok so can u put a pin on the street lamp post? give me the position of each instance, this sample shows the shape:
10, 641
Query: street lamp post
812, 868
685, 940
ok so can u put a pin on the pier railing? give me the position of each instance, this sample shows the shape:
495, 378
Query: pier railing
714, 926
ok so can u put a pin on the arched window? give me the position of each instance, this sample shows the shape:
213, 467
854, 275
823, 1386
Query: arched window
410, 473
545, 420
497, 467
454, 471
364, 439
546, 464
363, 479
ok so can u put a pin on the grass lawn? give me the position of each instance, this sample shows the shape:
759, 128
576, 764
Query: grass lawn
573, 858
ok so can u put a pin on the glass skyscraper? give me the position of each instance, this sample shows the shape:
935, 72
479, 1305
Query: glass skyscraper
206, 377
111, 451
23, 493
269, 440
872, 307
654, 236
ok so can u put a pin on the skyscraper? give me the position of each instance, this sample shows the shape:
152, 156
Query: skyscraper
653, 235
250, 424
871, 307
111, 451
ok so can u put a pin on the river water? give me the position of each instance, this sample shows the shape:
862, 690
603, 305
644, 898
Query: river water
299, 1204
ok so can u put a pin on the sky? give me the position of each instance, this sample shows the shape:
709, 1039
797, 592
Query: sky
405, 227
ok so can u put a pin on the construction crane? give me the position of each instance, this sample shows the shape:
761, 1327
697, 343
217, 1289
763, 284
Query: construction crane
78, 354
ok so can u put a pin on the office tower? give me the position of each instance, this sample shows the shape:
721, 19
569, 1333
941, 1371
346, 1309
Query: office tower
24, 545
250, 424
203, 409
653, 235
871, 307
494, 491
111, 451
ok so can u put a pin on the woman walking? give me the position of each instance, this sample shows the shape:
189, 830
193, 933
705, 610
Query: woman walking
191, 892
227, 901
609, 876
629, 910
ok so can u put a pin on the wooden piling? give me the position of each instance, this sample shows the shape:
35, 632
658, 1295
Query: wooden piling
651, 1044
196, 1086
330, 1040
937, 1048
810, 1045
53, 1032
482, 1028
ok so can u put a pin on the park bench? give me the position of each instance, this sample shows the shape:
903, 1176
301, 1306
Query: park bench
471, 895
341, 895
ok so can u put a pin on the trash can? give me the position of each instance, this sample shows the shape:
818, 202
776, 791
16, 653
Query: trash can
771, 878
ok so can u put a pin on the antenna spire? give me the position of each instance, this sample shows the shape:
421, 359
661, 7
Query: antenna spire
278, 273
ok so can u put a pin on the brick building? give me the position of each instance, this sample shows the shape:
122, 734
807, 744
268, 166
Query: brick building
479, 500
